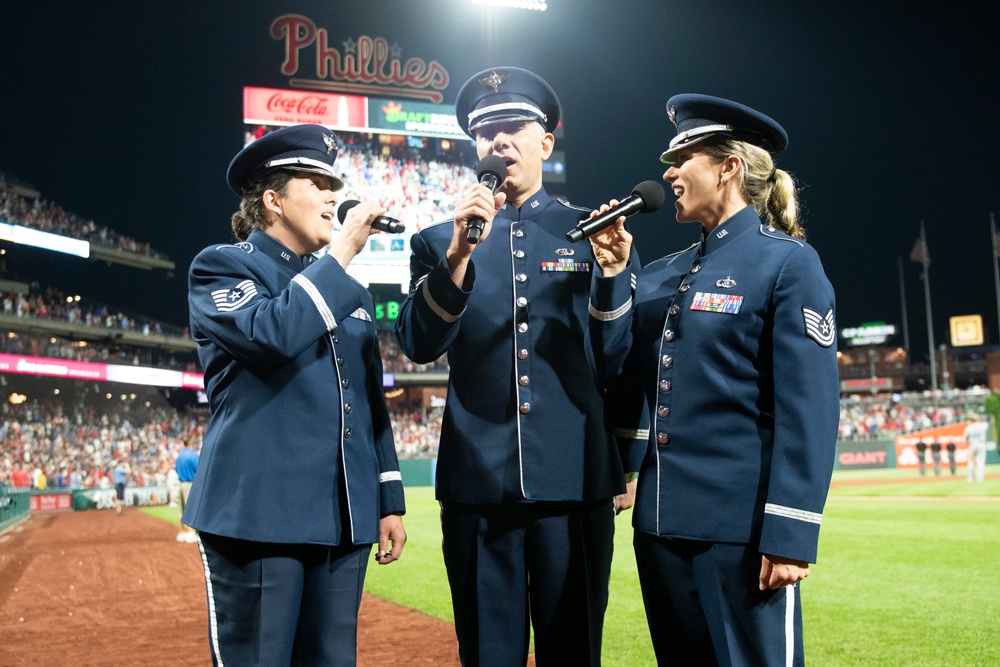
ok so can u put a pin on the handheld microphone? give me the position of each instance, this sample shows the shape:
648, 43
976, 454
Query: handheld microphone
383, 223
492, 171
645, 198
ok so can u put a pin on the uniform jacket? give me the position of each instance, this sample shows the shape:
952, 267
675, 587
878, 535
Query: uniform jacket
294, 379
732, 342
525, 418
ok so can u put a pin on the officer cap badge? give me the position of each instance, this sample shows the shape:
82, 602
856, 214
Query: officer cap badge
494, 80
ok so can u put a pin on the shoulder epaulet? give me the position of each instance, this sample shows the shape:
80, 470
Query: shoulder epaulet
771, 232
572, 206
438, 222
245, 246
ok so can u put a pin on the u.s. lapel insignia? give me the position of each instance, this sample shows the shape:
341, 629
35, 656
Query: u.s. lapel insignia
820, 328
726, 283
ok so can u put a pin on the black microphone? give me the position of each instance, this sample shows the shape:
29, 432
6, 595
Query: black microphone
492, 171
645, 198
383, 223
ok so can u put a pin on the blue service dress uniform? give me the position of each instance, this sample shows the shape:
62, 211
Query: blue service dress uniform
526, 429
299, 449
731, 342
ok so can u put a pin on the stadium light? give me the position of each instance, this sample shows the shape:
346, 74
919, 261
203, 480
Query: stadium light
537, 5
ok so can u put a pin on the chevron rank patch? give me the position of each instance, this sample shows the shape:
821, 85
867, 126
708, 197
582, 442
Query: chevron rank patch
234, 298
820, 328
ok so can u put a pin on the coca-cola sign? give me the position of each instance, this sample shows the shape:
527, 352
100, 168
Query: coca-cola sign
367, 65
273, 106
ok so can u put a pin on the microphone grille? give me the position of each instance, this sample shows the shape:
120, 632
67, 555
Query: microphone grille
492, 164
652, 195
344, 207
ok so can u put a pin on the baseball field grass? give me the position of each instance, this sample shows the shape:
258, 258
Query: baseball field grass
908, 574
913, 581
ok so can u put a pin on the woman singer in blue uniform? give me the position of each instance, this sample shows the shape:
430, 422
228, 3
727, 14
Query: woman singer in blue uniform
731, 344
298, 474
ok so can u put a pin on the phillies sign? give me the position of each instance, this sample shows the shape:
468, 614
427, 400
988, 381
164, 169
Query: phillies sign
365, 66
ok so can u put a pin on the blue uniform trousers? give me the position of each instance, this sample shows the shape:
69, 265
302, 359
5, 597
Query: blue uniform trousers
550, 560
704, 606
283, 604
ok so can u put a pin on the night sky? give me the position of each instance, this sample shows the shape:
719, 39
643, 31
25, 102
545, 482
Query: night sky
129, 112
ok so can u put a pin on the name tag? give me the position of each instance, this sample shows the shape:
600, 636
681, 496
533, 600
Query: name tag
717, 303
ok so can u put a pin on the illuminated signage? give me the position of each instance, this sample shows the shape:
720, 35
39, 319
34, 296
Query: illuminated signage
81, 370
421, 118
387, 311
366, 65
40, 239
870, 333
966, 330
271, 106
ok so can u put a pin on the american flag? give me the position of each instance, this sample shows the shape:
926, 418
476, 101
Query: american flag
920, 253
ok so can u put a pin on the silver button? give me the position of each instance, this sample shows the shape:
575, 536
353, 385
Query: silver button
664, 385
667, 360
696, 268
669, 334
520, 277
684, 288
521, 302
674, 309
522, 354
347, 408
347, 433
523, 380
522, 327
518, 233
346, 383
524, 408
519, 254
662, 438
663, 411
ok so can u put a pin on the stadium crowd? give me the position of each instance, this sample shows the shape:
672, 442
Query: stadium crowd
886, 418
55, 443
15, 209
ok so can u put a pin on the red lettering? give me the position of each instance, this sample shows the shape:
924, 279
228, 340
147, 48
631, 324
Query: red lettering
298, 33
862, 458
369, 62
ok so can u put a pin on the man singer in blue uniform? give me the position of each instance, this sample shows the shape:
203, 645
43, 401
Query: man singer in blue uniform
529, 471
732, 344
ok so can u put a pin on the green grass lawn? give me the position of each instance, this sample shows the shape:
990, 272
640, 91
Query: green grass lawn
899, 582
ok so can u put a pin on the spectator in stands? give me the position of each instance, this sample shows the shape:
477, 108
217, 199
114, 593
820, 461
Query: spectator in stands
287, 509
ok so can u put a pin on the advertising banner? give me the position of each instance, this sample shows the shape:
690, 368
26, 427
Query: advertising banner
906, 445
271, 106
103, 499
51, 502
410, 117
853, 454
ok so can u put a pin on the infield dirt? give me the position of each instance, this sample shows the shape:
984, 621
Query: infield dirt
94, 589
